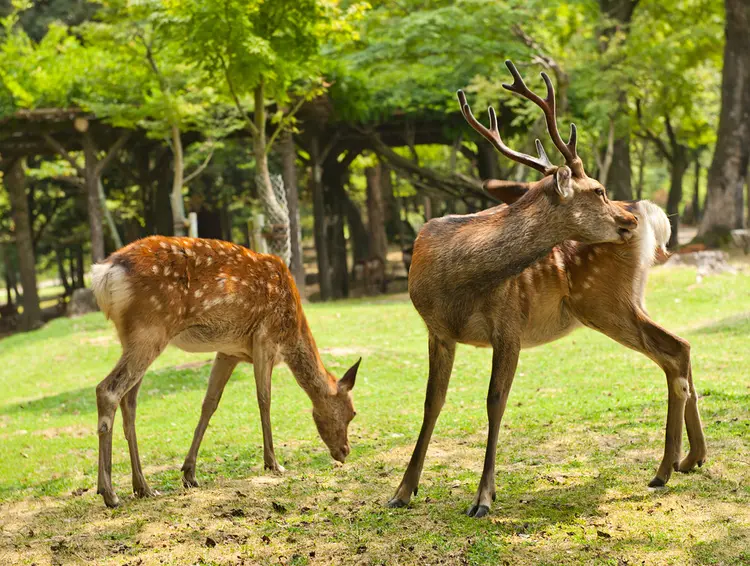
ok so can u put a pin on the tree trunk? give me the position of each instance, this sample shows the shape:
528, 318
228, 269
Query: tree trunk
696, 189
391, 210
730, 161
10, 278
641, 170
378, 238
619, 184
80, 267
361, 243
320, 221
175, 198
333, 182
60, 258
15, 181
678, 167
289, 173
93, 201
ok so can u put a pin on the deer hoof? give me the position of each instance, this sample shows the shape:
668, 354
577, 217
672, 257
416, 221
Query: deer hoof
188, 480
688, 464
397, 503
657, 482
478, 511
275, 468
110, 499
143, 492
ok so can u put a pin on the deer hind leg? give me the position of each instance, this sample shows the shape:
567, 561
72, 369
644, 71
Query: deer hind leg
220, 373
635, 330
127, 374
441, 364
128, 407
263, 368
504, 362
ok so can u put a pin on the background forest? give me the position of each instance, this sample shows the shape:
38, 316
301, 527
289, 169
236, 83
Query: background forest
120, 118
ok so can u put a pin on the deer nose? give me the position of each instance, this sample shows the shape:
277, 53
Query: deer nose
628, 222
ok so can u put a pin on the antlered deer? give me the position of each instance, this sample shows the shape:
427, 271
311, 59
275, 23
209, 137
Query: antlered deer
209, 296
463, 271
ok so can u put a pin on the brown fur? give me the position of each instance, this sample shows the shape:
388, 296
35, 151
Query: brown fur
542, 296
209, 296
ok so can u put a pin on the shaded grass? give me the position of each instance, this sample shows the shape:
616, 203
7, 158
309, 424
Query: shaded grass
582, 435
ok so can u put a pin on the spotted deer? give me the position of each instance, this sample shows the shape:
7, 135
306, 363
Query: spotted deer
463, 276
209, 296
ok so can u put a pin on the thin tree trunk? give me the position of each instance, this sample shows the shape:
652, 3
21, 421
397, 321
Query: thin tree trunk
320, 226
678, 167
80, 267
378, 238
696, 189
289, 173
732, 153
641, 170
60, 258
361, 243
93, 200
15, 181
178, 167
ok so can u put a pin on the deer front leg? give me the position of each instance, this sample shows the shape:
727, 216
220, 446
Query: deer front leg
504, 362
220, 373
441, 365
263, 367
128, 407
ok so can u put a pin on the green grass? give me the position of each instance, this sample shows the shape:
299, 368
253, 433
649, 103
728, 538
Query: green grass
582, 435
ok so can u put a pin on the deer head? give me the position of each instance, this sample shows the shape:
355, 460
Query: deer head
579, 200
333, 414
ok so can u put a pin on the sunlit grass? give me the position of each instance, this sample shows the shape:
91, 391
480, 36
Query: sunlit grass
582, 435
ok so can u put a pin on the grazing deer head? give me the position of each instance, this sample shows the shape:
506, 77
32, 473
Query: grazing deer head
591, 217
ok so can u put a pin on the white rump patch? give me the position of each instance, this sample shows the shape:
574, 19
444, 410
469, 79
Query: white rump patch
111, 288
654, 231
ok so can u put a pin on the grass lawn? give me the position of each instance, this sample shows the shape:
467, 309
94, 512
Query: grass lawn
582, 436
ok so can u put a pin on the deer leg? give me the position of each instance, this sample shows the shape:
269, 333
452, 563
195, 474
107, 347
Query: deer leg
127, 373
698, 450
263, 366
635, 330
220, 373
504, 362
128, 406
441, 365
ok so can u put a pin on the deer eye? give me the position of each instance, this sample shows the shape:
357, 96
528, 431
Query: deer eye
599, 191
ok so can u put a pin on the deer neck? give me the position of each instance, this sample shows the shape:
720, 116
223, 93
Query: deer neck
518, 236
304, 361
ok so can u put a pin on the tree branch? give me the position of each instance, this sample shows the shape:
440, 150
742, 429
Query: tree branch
116, 147
546, 61
283, 122
58, 147
200, 168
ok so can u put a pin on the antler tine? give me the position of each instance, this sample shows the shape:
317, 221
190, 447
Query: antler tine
548, 106
492, 135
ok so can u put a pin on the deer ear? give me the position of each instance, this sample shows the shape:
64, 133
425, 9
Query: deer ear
505, 191
564, 183
346, 383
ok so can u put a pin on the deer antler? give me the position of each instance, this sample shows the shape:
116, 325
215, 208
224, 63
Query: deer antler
547, 105
492, 135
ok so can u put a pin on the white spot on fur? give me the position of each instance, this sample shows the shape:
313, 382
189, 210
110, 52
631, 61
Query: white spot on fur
164, 245
209, 259
586, 284
198, 244
197, 261
167, 271
595, 269
577, 215
154, 269
175, 249
578, 260
198, 293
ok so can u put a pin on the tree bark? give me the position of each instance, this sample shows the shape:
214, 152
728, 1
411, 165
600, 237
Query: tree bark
10, 278
60, 258
15, 181
378, 238
289, 173
678, 167
696, 189
641, 169
93, 201
320, 221
80, 271
333, 181
730, 161
361, 243
175, 198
